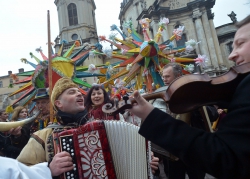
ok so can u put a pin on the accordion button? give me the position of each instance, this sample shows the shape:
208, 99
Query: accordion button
72, 150
68, 177
64, 143
72, 154
75, 169
64, 147
68, 173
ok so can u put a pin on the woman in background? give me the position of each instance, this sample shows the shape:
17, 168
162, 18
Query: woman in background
95, 99
19, 113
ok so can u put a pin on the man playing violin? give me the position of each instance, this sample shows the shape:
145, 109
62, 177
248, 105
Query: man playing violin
223, 154
177, 169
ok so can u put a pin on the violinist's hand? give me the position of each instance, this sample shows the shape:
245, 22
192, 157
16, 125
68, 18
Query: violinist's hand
220, 111
142, 108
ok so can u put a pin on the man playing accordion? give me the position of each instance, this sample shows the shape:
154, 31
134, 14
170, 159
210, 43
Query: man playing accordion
71, 113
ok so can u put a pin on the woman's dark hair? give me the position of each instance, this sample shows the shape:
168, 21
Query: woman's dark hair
87, 101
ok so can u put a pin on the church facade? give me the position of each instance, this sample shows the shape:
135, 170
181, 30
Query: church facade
197, 18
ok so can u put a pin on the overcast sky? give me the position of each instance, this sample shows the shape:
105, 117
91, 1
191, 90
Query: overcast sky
24, 26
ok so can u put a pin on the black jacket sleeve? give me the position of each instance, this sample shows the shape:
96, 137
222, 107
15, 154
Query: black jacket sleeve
22, 140
224, 154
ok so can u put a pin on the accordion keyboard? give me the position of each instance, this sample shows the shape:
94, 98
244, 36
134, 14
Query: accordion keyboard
67, 146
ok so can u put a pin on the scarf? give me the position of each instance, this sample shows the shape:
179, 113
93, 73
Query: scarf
79, 118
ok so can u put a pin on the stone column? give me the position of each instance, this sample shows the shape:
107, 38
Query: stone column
210, 41
192, 34
136, 9
201, 34
165, 36
154, 25
215, 38
224, 54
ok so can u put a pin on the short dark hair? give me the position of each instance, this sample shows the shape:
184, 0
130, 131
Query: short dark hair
88, 102
177, 69
243, 22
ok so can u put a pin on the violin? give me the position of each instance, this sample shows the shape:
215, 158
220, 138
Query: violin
192, 91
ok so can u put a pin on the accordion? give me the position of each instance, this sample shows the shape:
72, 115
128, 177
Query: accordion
106, 150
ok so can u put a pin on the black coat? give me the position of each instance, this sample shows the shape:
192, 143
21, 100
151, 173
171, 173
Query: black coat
22, 140
223, 154
7, 149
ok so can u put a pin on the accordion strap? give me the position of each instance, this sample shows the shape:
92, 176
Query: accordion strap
160, 152
39, 140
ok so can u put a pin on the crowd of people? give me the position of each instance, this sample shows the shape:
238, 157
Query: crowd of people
224, 153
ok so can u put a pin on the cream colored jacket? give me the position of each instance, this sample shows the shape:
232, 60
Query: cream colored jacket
36, 150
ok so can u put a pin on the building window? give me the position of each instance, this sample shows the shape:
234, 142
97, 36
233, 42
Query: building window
230, 47
181, 42
74, 37
1, 84
72, 13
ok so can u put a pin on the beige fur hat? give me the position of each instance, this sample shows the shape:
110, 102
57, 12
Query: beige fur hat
60, 86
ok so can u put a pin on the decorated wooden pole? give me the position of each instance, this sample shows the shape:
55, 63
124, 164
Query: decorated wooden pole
50, 70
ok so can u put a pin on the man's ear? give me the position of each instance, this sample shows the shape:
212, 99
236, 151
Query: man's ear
58, 103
